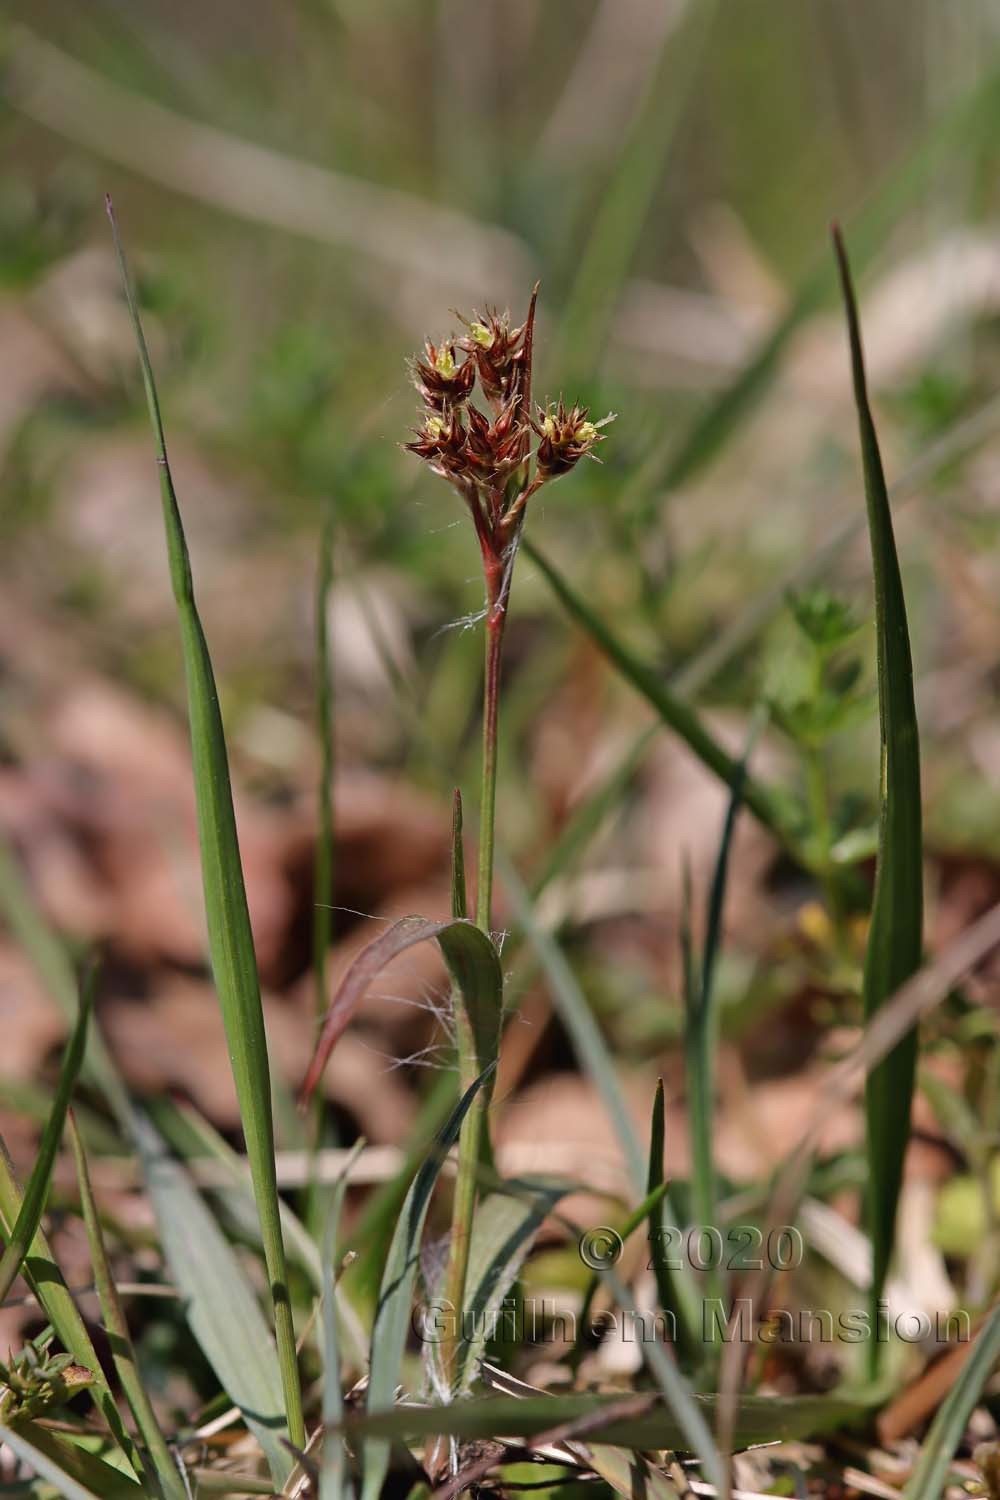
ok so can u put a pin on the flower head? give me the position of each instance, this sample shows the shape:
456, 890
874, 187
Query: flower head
486, 453
501, 353
440, 380
440, 442
495, 449
565, 437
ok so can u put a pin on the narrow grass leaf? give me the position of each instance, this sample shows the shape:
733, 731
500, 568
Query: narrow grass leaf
222, 1309
45, 1279
701, 1025
120, 1340
375, 1227
895, 934
474, 966
333, 1481
73, 1473
230, 940
760, 1419
634, 179
772, 808
29, 1216
191, 1137
680, 1399
941, 1442
577, 1017
588, 1045
630, 1474
670, 1292
392, 1317
715, 424
55, 969
221, 1482
504, 1227
649, 1209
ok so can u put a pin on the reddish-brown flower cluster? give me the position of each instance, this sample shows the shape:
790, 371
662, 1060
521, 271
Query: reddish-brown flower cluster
487, 456
564, 437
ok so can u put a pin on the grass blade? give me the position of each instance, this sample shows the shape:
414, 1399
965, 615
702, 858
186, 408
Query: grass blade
333, 1482
122, 1351
474, 966
504, 1227
52, 964
222, 1309
895, 935
576, 1017
669, 1293
767, 804
623, 209
230, 940
477, 993
29, 1216
71, 1471
381, 1213
948, 1427
760, 1419
701, 1027
973, 116
649, 1209
681, 1401
45, 1279
392, 1318
191, 1136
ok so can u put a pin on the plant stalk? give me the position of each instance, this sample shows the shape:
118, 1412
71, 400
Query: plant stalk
473, 1142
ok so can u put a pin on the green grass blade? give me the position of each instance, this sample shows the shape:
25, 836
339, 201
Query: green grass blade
475, 970
54, 968
230, 939
120, 1340
29, 1216
392, 1318
222, 1309
333, 1481
71, 1471
895, 934
759, 1419
712, 427
577, 1017
669, 1292
680, 1400
649, 1209
381, 1212
45, 1279
766, 803
504, 1227
591, 1053
930, 1473
701, 1028
589, 816
622, 211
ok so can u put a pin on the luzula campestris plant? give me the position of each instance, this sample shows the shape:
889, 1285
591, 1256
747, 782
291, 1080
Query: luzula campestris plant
496, 460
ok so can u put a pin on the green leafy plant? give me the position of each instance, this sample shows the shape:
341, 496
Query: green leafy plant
895, 936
